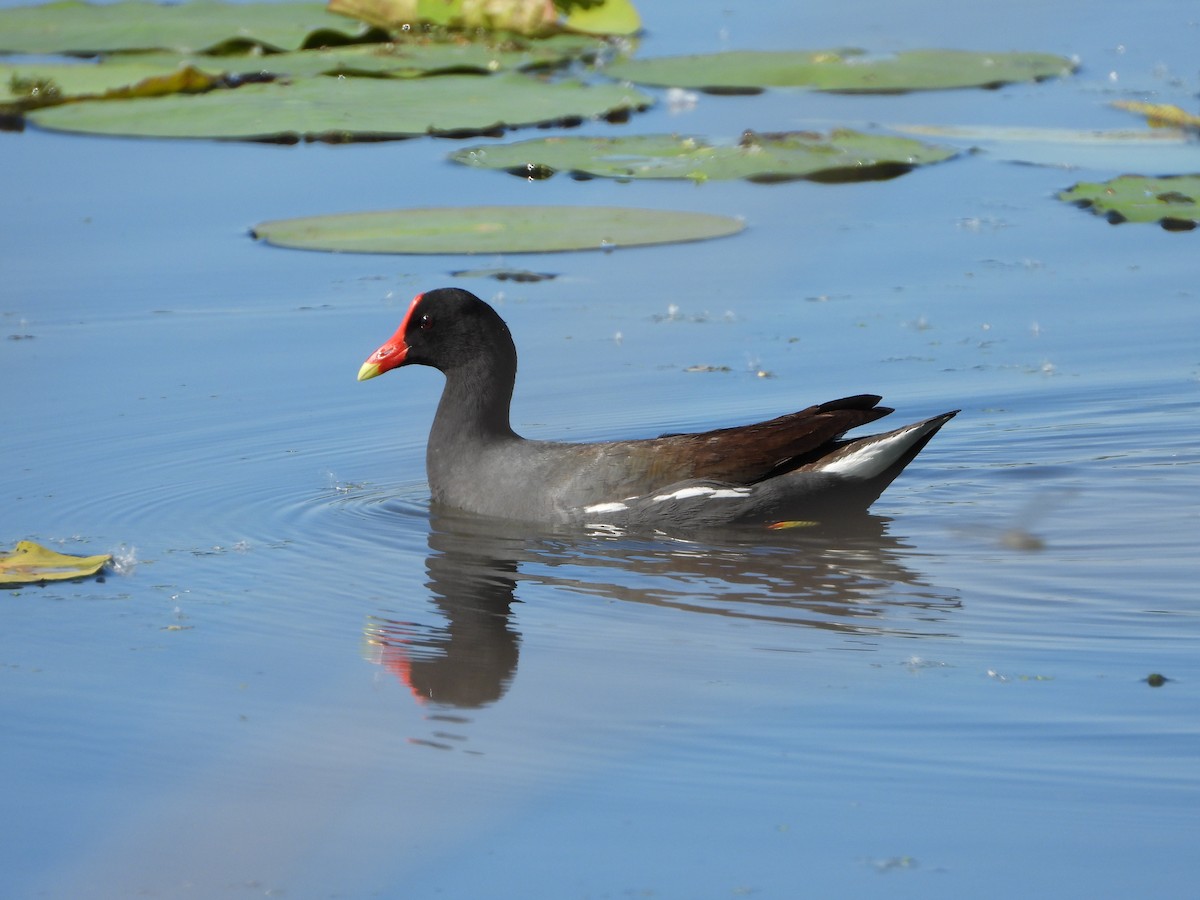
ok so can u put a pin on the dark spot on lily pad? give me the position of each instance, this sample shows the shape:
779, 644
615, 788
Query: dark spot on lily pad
1174, 197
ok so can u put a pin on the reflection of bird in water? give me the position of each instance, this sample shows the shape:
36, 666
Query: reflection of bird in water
846, 576
468, 660
1019, 534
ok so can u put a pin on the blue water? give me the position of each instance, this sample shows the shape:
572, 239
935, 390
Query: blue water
299, 684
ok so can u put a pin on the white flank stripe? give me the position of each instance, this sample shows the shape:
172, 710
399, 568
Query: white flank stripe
602, 508
700, 491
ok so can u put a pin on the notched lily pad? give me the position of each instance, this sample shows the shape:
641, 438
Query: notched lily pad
349, 109
494, 229
32, 563
843, 155
1172, 201
844, 70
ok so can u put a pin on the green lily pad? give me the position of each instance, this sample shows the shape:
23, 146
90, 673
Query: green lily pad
419, 58
403, 59
44, 84
494, 229
31, 563
40, 83
843, 155
848, 71
1172, 201
345, 109
69, 26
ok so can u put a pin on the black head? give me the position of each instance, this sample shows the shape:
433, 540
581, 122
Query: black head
448, 329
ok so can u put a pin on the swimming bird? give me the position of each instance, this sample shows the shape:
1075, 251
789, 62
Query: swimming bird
798, 466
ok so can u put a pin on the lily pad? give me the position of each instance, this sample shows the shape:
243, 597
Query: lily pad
40, 83
420, 58
1160, 115
1125, 150
346, 109
494, 229
847, 71
520, 16
615, 17
31, 563
403, 59
45, 84
530, 17
69, 26
843, 155
1172, 201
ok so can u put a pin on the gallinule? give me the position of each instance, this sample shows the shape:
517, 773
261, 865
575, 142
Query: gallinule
797, 466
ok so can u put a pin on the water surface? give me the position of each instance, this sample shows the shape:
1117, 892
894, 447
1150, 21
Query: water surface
301, 683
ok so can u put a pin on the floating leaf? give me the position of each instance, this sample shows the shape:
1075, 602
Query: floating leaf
69, 26
526, 17
843, 155
616, 17
157, 73
419, 58
29, 86
518, 16
520, 276
494, 229
849, 71
1160, 115
346, 109
1162, 150
30, 563
1172, 201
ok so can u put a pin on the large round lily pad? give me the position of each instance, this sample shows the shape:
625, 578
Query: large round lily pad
494, 229
342, 109
850, 71
1172, 201
69, 26
843, 155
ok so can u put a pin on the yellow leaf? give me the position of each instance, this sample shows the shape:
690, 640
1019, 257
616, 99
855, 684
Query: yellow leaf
616, 17
1160, 114
30, 563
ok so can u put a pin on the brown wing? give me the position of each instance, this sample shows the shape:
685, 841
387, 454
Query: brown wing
746, 454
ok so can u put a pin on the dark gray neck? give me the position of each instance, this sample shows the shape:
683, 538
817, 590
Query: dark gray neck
471, 409
475, 401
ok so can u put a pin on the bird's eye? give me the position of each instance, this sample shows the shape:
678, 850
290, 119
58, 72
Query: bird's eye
425, 322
